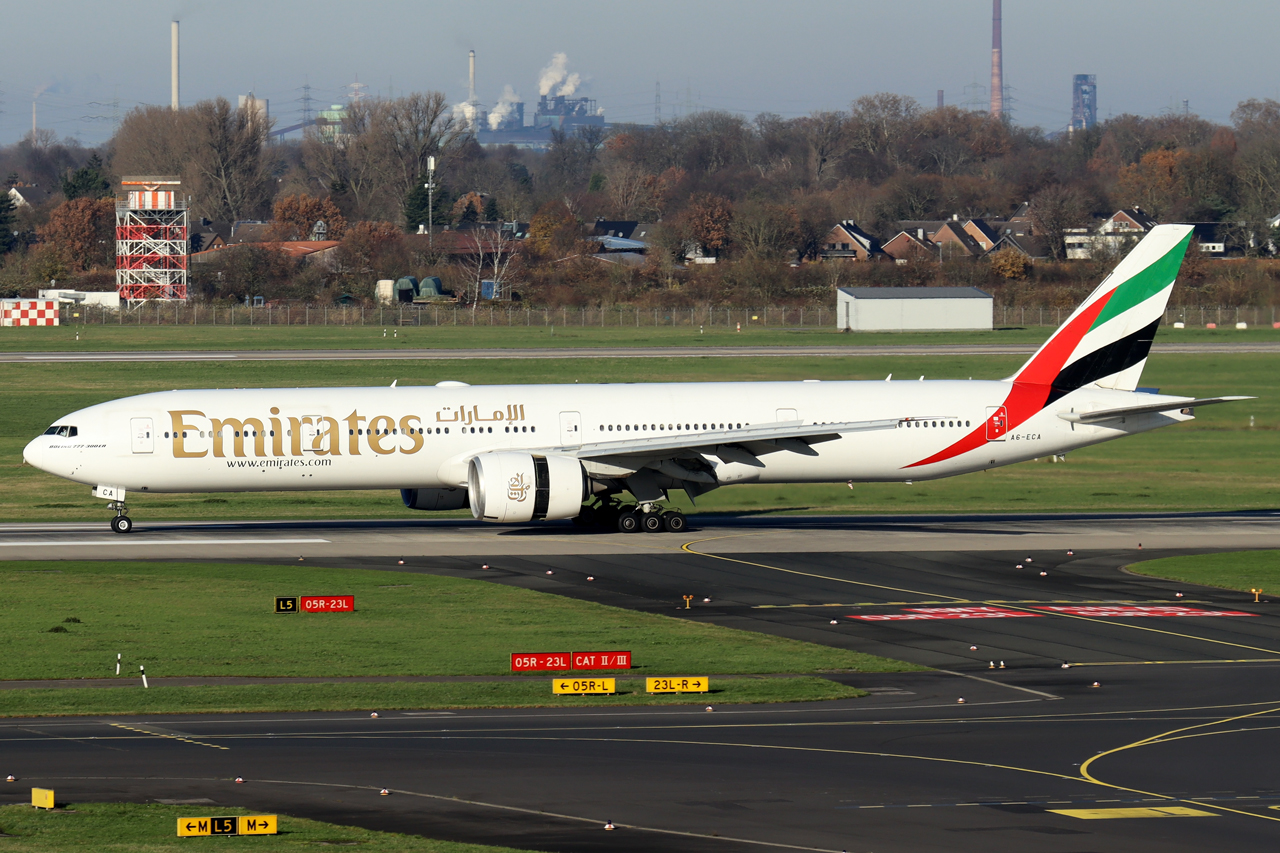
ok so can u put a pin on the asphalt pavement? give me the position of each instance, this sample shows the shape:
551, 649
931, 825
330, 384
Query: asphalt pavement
1171, 751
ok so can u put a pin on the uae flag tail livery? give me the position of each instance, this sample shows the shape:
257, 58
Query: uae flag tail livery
1103, 345
611, 454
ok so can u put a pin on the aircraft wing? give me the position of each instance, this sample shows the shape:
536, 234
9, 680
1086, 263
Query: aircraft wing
738, 445
1183, 405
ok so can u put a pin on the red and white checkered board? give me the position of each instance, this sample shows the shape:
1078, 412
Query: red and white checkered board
28, 312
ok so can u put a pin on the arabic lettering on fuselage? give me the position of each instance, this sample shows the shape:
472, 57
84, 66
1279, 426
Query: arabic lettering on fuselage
463, 415
320, 435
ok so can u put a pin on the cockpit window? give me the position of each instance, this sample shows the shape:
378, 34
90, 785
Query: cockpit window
62, 431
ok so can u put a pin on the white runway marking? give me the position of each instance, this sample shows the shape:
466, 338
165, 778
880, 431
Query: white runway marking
129, 541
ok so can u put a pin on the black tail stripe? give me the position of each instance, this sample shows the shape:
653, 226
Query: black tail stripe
1110, 359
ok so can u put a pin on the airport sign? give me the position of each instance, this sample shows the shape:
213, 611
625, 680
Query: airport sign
683, 684
285, 604
328, 603
540, 661
267, 824
602, 660
580, 686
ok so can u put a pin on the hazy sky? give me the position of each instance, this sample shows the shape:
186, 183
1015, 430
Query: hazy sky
92, 61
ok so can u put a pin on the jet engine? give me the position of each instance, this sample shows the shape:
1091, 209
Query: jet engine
516, 487
434, 500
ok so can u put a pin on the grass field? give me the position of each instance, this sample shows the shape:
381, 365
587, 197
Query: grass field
1218, 462
71, 619
152, 828
101, 338
1242, 570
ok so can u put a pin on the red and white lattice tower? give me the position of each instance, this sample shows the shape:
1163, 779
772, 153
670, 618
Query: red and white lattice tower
151, 239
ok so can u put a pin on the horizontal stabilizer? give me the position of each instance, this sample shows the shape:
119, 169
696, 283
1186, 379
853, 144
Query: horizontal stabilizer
1184, 405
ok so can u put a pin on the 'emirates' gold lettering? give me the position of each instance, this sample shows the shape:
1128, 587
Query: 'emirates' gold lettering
180, 427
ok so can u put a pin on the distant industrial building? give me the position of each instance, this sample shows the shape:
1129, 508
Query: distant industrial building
913, 309
1084, 101
559, 112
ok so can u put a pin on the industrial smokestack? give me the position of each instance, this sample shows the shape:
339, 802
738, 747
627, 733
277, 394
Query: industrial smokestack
471, 89
997, 64
173, 66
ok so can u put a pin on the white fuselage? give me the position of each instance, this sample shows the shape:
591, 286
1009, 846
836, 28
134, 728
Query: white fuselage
423, 437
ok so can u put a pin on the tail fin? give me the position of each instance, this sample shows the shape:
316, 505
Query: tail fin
1106, 340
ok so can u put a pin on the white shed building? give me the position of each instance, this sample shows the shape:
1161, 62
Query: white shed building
913, 309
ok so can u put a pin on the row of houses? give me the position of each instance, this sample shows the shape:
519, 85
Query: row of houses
953, 238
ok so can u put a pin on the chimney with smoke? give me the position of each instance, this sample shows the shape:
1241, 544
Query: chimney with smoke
173, 66
997, 63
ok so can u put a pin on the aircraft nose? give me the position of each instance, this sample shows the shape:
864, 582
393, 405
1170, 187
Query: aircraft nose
33, 453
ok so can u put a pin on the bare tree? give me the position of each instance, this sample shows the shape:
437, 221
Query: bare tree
827, 134
414, 128
1053, 210
232, 162
490, 252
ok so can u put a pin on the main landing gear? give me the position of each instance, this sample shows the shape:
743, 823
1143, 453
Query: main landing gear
624, 518
122, 523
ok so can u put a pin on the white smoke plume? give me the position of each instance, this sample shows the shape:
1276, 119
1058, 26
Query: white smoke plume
557, 74
505, 107
570, 84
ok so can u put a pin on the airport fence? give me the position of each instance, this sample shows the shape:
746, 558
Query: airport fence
513, 314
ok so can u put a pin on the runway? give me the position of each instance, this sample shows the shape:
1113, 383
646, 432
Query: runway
393, 539
417, 354
1180, 728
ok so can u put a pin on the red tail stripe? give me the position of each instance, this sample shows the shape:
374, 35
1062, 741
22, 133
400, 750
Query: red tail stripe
1033, 383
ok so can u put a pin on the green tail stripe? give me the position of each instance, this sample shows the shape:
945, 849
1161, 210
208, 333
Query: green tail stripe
1146, 284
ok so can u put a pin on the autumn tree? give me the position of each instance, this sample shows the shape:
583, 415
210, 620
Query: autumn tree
827, 136
710, 219
296, 215
1154, 182
1010, 264
81, 234
367, 247
554, 232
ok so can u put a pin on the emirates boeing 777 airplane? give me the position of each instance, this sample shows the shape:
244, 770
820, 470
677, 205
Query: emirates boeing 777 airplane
520, 453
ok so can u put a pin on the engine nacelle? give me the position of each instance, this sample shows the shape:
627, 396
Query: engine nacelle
516, 487
434, 500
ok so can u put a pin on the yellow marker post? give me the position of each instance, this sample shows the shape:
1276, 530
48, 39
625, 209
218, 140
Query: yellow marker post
42, 798
683, 684
584, 686
1256, 593
262, 824
687, 600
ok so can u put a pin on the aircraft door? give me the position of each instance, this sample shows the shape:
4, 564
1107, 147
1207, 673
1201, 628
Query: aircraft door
143, 439
570, 429
997, 423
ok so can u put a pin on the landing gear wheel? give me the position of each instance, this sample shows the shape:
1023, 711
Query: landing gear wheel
628, 522
122, 524
651, 522
674, 522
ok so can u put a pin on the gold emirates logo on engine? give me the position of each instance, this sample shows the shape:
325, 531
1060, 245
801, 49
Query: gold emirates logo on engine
517, 488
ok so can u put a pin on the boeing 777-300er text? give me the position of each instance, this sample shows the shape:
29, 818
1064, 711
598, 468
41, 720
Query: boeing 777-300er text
519, 453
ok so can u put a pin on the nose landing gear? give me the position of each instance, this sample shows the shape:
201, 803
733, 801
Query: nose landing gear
122, 523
